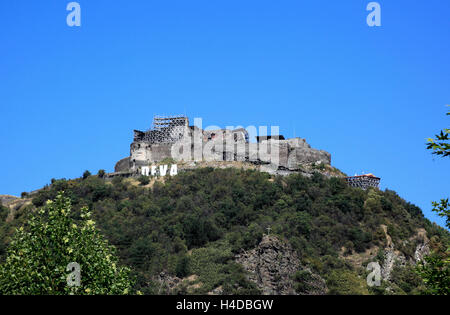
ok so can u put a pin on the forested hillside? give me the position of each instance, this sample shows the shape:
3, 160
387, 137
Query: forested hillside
188, 229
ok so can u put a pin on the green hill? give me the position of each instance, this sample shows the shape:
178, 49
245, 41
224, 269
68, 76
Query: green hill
188, 234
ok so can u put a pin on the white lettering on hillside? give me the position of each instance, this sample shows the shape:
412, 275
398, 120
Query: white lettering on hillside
161, 171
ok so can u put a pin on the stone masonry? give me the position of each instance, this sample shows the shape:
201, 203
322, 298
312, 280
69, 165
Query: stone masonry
173, 138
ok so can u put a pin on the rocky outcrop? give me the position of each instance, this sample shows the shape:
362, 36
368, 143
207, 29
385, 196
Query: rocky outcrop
6, 199
391, 258
167, 283
272, 266
394, 257
423, 246
392, 254
421, 251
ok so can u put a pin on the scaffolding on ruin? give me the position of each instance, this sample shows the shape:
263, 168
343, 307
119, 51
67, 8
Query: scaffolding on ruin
163, 122
363, 181
165, 129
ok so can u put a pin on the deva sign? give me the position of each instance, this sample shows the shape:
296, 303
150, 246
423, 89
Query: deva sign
162, 170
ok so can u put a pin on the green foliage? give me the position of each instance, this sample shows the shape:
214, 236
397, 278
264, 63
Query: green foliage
101, 173
319, 166
167, 161
3, 213
86, 174
360, 239
205, 216
182, 268
144, 180
252, 237
406, 280
344, 282
442, 208
435, 273
302, 281
198, 230
440, 145
40, 251
215, 268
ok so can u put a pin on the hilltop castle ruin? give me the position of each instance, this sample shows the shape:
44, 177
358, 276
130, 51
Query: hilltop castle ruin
171, 137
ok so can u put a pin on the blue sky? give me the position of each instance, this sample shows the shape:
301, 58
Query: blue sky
70, 97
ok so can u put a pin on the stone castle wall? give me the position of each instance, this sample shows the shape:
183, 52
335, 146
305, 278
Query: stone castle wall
224, 145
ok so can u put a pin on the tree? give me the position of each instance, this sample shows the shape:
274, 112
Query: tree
86, 174
442, 208
41, 250
101, 173
182, 268
440, 145
435, 271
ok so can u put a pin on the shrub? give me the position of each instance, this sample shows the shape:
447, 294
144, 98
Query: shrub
86, 174
182, 268
144, 180
39, 254
344, 282
101, 173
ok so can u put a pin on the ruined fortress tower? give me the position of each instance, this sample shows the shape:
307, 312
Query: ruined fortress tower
171, 137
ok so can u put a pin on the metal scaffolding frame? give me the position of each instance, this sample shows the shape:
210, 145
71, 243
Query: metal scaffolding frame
363, 181
165, 129
162, 122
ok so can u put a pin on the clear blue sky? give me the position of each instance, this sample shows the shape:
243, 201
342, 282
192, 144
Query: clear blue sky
70, 97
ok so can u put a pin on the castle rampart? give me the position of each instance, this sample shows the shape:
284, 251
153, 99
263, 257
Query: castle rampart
173, 138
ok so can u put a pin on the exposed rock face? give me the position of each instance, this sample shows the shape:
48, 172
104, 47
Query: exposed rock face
216, 291
6, 199
272, 265
423, 246
391, 257
167, 283
422, 250
14, 205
